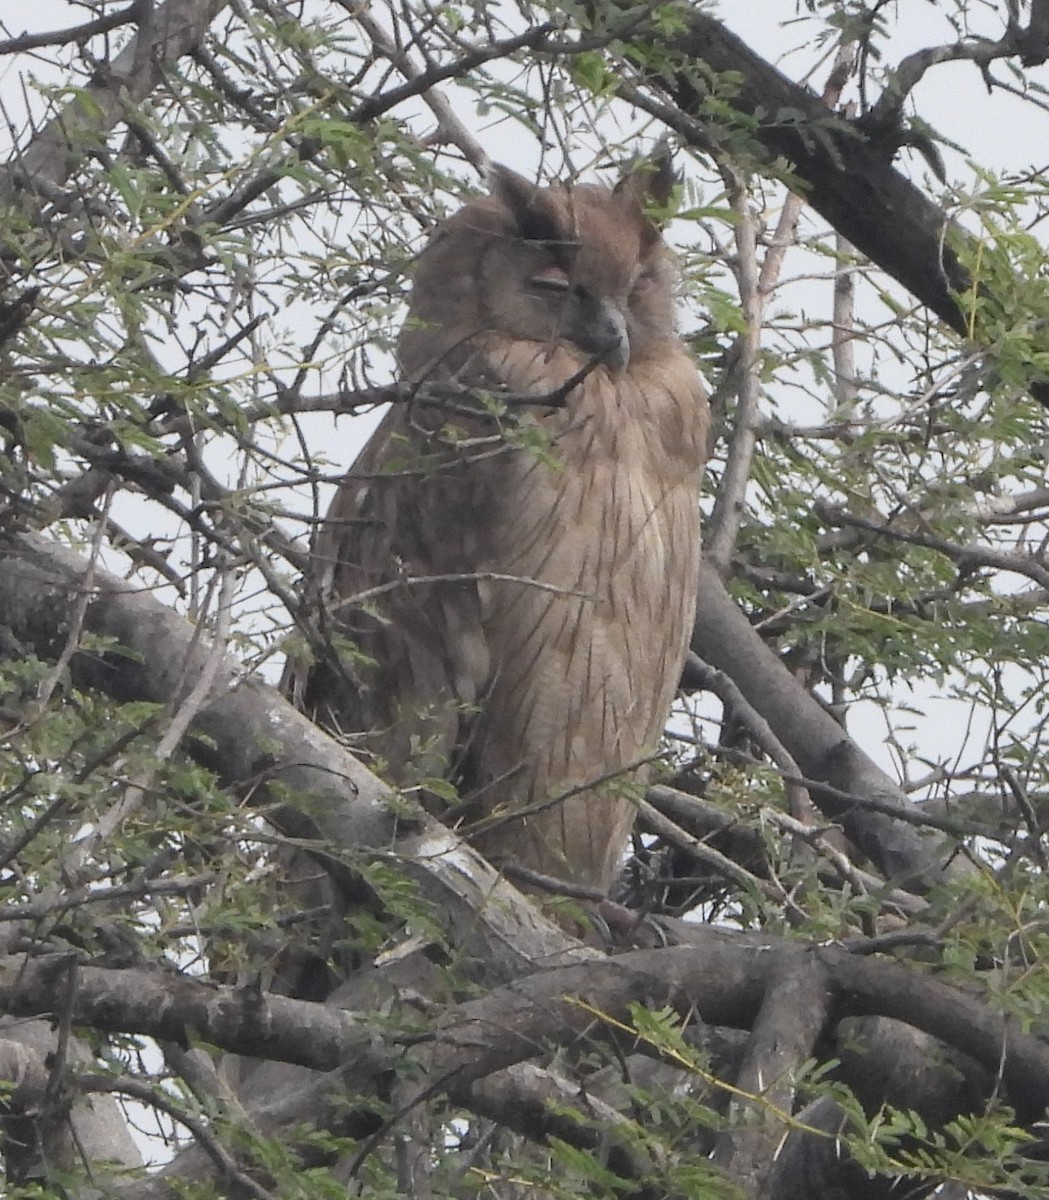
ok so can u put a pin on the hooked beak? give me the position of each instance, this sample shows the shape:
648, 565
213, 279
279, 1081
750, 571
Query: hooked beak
602, 332
616, 356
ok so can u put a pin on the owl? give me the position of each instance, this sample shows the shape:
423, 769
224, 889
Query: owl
506, 577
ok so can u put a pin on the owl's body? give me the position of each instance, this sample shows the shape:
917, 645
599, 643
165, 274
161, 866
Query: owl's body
534, 599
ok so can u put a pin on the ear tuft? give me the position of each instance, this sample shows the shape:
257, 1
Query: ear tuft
514, 190
524, 200
650, 180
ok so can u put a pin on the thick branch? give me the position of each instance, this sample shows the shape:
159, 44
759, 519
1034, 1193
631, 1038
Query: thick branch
822, 749
791, 1019
845, 176
306, 784
93, 1128
722, 978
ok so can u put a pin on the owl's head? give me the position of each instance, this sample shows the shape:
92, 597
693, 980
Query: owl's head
582, 266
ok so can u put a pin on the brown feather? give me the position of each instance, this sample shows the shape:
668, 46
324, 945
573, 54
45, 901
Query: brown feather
563, 674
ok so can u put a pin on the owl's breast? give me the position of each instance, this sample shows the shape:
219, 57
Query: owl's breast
584, 547
606, 508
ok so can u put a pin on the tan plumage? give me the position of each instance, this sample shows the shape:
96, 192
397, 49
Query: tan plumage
550, 657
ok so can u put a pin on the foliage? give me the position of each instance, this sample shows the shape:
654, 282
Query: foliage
203, 273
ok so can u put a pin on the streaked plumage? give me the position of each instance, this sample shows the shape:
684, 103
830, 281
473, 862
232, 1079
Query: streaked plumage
554, 662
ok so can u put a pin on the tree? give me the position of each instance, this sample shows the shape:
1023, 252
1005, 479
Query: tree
822, 972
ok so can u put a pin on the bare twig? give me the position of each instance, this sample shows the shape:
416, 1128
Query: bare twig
155, 1097
449, 127
57, 149
719, 863
968, 557
44, 906
864, 882
74, 33
755, 287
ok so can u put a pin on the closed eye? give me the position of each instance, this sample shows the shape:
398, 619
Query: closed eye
551, 279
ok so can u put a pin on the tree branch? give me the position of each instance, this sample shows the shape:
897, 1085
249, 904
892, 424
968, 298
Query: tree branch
75, 33
256, 743
57, 150
720, 977
847, 178
818, 744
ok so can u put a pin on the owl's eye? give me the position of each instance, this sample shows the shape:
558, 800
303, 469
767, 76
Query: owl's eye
551, 279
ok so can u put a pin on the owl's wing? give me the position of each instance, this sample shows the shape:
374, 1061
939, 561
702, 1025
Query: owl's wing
310, 673
399, 651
